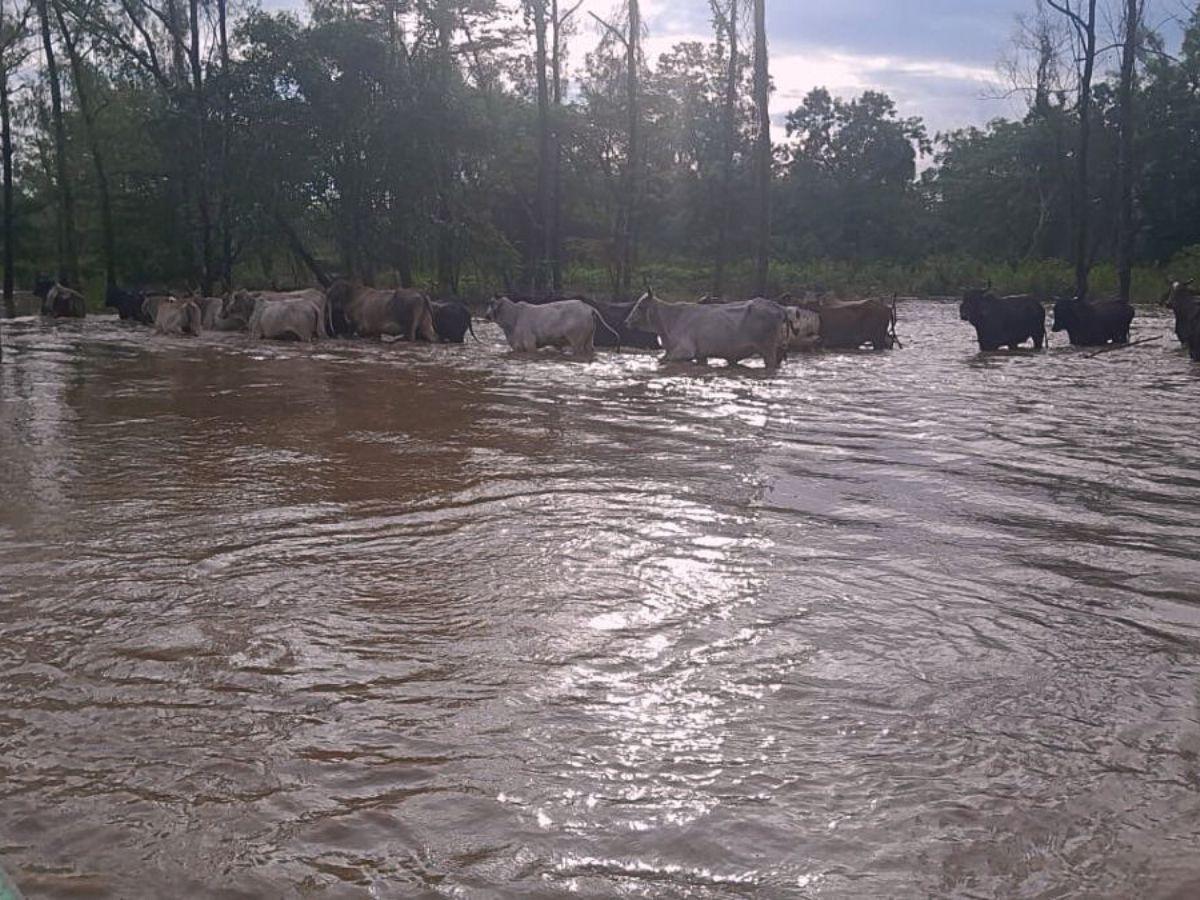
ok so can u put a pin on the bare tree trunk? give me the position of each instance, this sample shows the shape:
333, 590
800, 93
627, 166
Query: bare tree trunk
1132, 25
10, 235
446, 252
725, 215
224, 213
545, 150
296, 244
762, 104
200, 109
1086, 31
556, 234
68, 251
633, 155
88, 112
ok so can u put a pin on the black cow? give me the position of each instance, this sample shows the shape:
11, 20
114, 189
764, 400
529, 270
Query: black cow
1182, 300
1004, 321
128, 304
1091, 323
452, 321
59, 302
615, 314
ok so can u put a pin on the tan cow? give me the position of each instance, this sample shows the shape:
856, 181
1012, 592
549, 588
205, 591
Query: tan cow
178, 317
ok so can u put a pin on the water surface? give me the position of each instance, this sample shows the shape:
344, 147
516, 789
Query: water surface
362, 620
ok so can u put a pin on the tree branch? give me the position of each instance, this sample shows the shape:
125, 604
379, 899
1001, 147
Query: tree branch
612, 29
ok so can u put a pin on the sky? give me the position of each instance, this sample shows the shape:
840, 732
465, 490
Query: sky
936, 58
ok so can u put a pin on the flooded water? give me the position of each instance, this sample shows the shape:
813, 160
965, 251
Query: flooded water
359, 620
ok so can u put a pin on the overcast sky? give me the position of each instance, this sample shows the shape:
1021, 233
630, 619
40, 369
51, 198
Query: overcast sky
936, 58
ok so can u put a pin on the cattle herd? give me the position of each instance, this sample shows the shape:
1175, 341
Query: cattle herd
709, 329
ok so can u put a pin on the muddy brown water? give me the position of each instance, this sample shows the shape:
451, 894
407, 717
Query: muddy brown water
357, 620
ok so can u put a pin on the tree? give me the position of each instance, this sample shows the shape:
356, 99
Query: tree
1084, 25
763, 153
538, 12
14, 50
729, 19
1131, 31
87, 111
850, 189
68, 251
633, 62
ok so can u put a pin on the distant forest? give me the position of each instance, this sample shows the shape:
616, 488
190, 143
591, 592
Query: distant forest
454, 145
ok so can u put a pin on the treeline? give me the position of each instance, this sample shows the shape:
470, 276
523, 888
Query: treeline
454, 144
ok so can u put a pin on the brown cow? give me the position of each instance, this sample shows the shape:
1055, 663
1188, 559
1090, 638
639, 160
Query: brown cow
374, 312
848, 324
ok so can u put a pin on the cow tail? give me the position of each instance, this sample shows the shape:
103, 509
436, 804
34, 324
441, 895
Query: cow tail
470, 327
895, 318
608, 328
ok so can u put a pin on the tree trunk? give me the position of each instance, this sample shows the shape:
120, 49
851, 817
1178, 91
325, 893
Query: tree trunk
68, 251
1085, 29
224, 214
1133, 22
762, 105
297, 247
201, 113
556, 233
545, 151
88, 113
725, 213
9, 215
446, 251
633, 155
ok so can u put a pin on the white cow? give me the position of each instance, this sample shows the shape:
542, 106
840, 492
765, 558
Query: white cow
567, 324
288, 319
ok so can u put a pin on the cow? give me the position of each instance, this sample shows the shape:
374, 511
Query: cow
127, 303
150, 304
1091, 323
372, 312
801, 330
212, 312
452, 321
297, 318
618, 334
848, 324
238, 309
695, 332
566, 323
178, 317
1184, 302
60, 302
1004, 321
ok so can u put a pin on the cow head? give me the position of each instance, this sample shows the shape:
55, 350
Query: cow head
1068, 313
193, 319
238, 305
972, 304
499, 303
42, 287
1177, 292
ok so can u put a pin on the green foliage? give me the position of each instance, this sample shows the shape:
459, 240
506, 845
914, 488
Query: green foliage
399, 143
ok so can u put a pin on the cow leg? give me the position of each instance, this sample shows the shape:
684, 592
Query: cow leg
771, 359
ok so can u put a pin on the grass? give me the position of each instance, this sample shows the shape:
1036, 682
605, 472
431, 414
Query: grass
935, 276
932, 277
